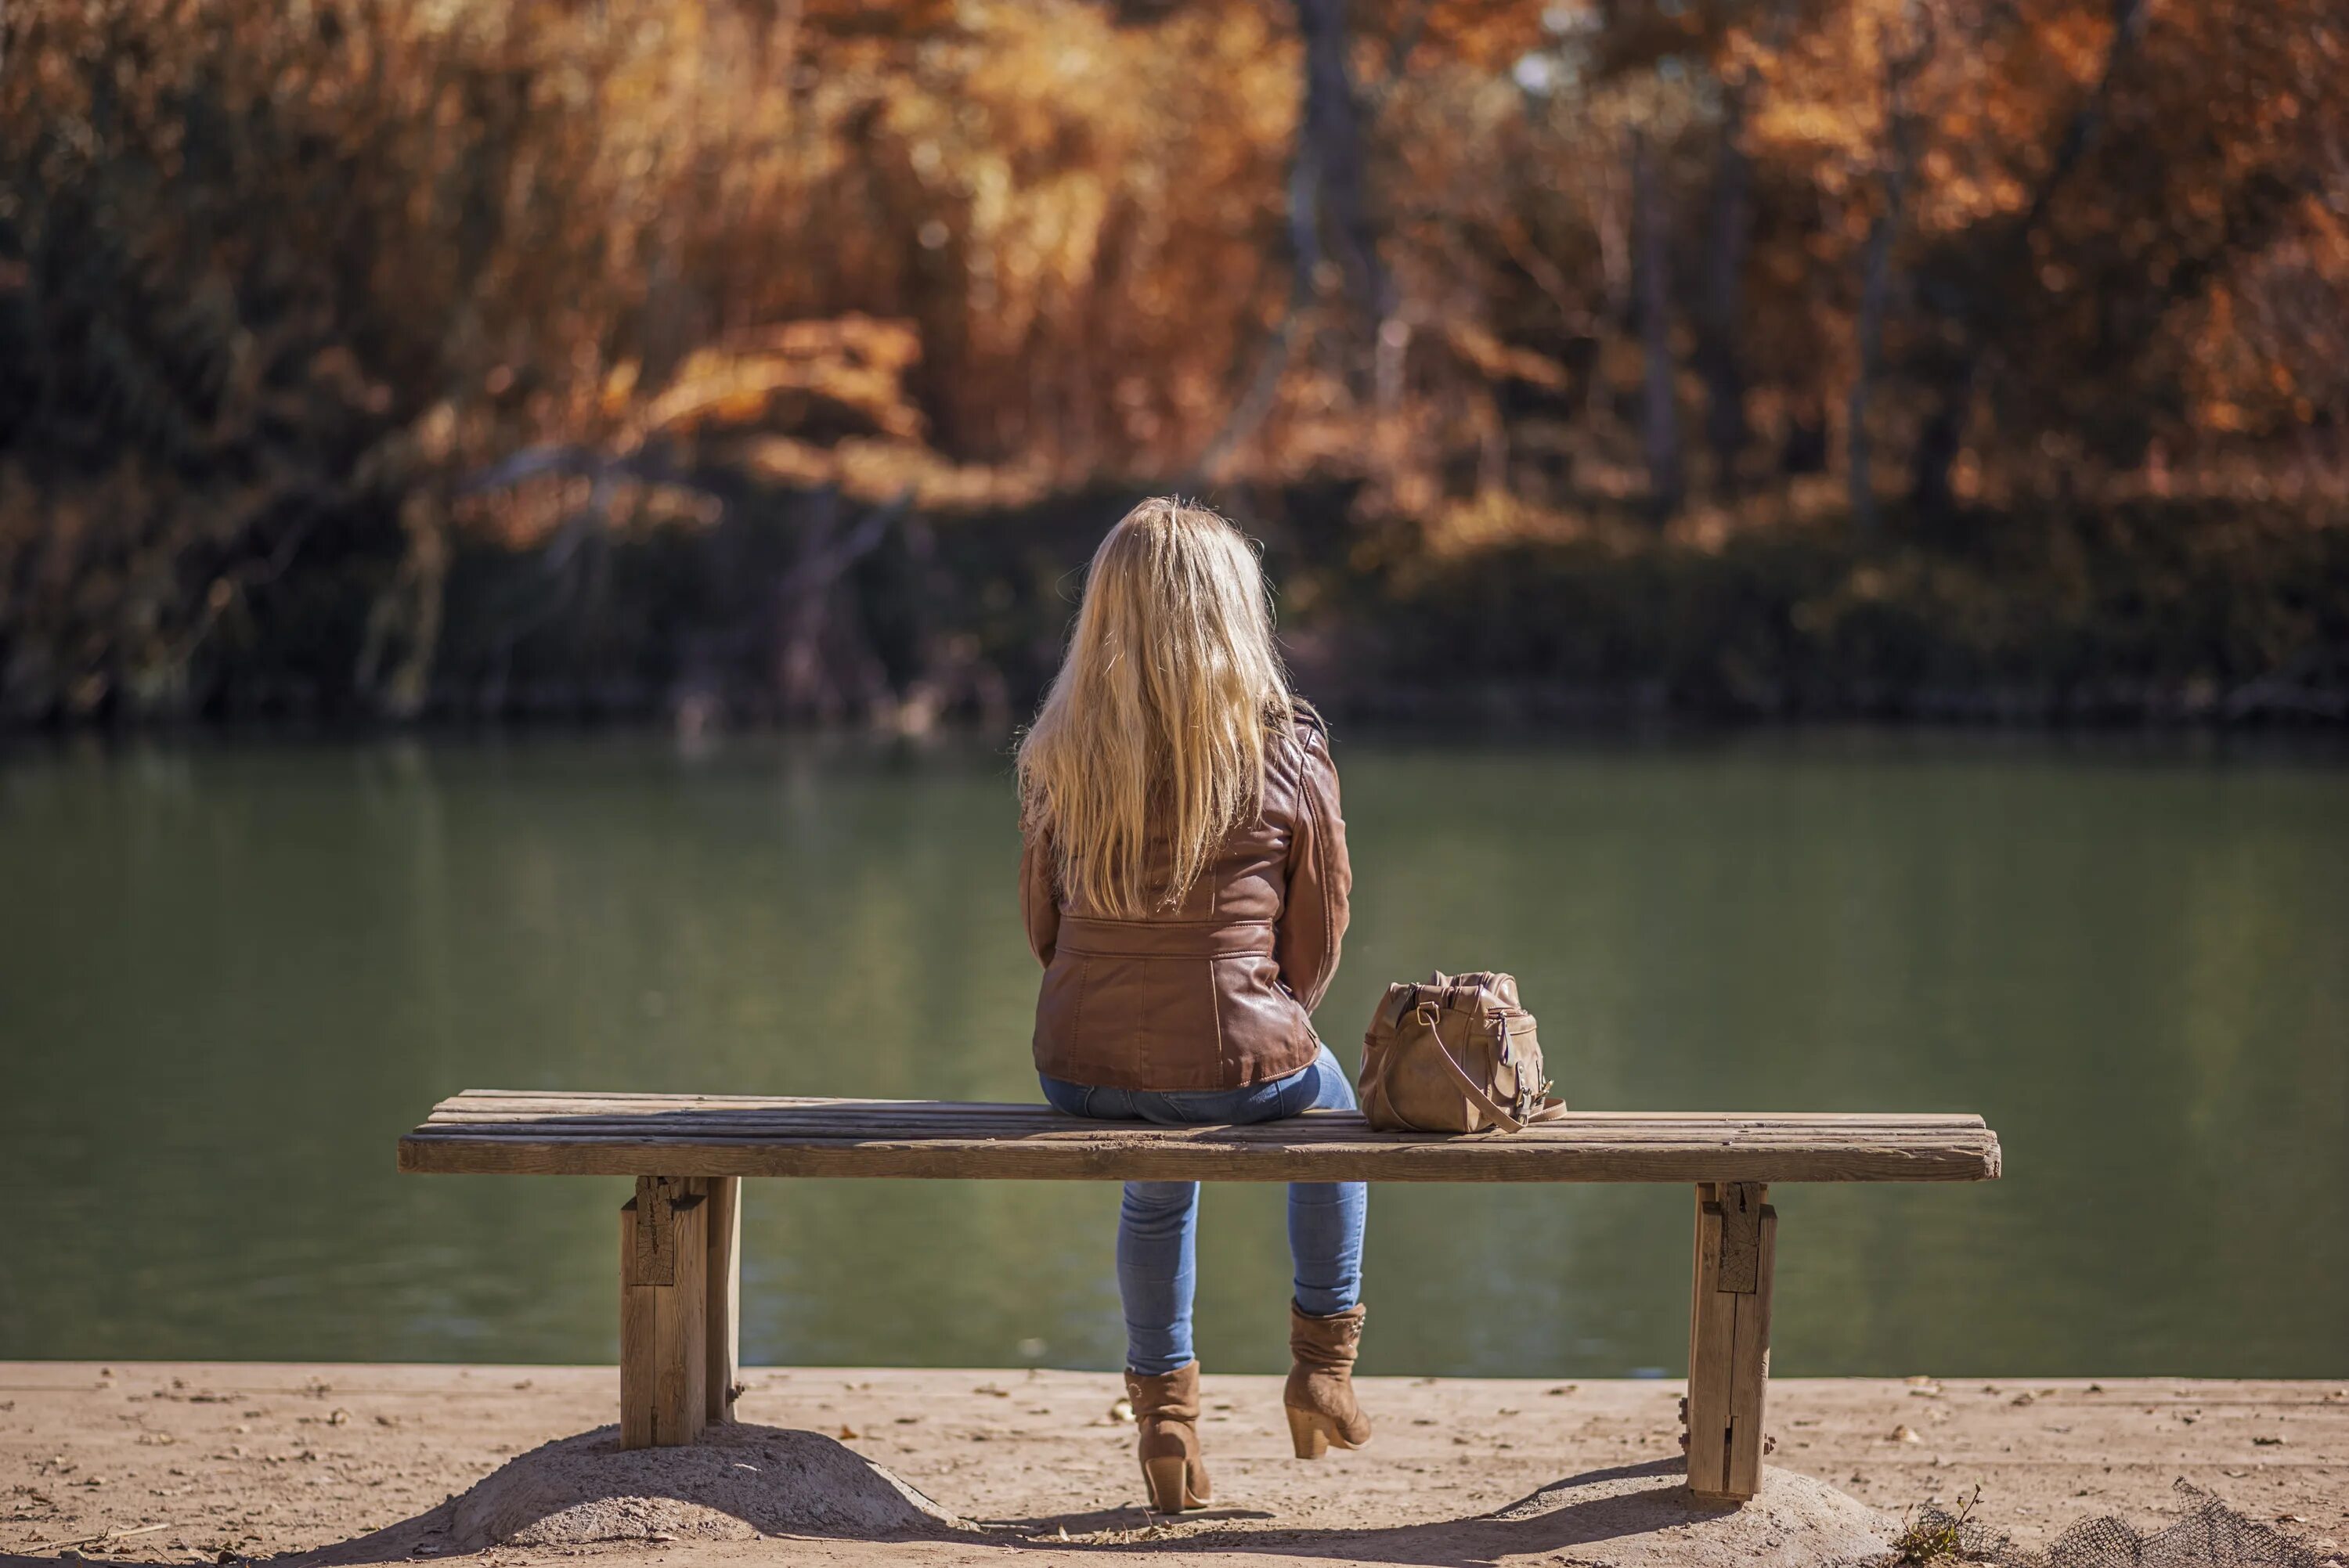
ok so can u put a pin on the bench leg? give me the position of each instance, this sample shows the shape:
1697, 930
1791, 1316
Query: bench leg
663, 1314
1729, 1339
723, 1335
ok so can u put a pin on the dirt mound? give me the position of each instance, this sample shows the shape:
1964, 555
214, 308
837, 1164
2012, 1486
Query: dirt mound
1643, 1516
739, 1483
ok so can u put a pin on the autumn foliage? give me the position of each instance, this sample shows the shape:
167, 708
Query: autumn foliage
769, 360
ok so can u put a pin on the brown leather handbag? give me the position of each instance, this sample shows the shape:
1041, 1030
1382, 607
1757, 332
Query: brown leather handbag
1454, 1054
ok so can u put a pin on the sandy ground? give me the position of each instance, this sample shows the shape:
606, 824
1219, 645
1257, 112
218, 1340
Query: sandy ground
183, 1461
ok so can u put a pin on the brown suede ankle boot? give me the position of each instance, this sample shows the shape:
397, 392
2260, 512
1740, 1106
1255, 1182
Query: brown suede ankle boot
1166, 1408
1321, 1392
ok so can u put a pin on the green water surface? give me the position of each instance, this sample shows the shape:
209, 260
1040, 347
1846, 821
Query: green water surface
231, 974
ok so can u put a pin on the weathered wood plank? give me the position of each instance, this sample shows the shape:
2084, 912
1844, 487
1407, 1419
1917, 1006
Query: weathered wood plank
1740, 1237
1713, 1338
511, 1098
978, 1122
526, 1132
1023, 1121
650, 1255
1139, 1156
1729, 1339
1329, 1127
723, 1333
663, 1321
1236, 1139
1750, 1361
508, 1103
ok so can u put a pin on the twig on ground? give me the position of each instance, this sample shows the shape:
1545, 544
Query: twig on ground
107, 1535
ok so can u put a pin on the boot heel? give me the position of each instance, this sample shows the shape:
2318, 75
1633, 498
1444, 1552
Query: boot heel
1309, 1433
1168, 1481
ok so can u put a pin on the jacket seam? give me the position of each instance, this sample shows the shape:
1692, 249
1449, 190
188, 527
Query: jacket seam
1216, 1011
1168, 924
1329, 908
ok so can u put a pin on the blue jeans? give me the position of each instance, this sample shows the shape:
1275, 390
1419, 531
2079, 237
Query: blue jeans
1157, 1230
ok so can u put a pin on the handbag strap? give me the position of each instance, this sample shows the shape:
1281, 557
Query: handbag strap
1476, 1091
1551, 1109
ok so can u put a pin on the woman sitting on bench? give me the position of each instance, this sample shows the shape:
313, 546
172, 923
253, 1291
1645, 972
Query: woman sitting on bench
1184, 883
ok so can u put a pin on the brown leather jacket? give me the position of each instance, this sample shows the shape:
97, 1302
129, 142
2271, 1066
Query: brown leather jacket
1217, 994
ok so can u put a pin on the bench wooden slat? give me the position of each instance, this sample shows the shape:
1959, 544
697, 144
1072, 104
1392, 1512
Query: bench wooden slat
1038, 1120
536, 1132
505, 1102
1023, 1119
1235, 1138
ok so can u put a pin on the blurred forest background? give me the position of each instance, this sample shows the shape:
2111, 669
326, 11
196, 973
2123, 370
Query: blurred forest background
746, 361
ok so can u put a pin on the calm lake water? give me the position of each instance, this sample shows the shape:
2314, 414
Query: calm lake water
231, 976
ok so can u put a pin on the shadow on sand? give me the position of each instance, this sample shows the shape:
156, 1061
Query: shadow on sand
769, 1482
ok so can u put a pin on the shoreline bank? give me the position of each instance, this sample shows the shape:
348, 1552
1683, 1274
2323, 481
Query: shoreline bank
167, 1461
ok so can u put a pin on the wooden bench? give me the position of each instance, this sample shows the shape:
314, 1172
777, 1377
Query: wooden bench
680, 1235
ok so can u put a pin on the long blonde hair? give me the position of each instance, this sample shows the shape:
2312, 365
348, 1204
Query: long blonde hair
1161, 711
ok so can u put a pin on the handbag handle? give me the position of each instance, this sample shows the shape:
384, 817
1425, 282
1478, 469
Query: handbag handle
1552, 1107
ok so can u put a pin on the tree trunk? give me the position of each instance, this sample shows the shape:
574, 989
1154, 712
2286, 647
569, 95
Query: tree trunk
1943, 435
1333, 126
1876, 285
1900, 66
1660, 420
1326, 180
1729, 226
